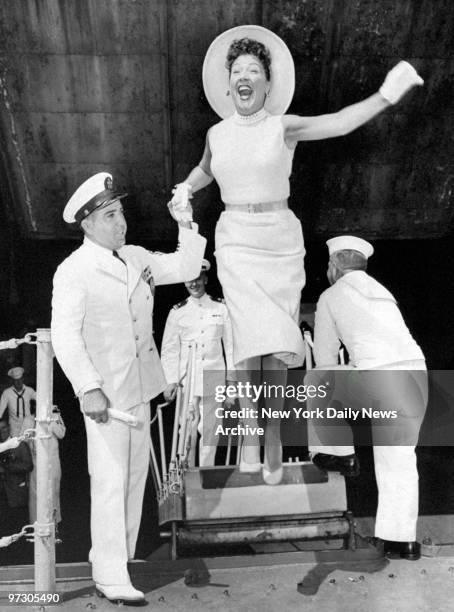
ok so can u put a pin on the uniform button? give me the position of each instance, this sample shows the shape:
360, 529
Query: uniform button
130, 301
137, 355
137, 337
135, 319
148, 297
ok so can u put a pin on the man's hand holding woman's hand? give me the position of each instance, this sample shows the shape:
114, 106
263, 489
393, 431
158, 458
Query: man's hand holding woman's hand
179, 206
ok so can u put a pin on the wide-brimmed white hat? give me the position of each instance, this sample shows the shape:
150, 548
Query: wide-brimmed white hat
353, 243
96, 192
216, 75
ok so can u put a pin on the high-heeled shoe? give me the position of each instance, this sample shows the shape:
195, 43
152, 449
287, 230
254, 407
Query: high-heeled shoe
274, 477
249, 468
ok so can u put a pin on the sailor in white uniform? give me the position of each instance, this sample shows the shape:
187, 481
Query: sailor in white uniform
362, 314
17, 400
204, 320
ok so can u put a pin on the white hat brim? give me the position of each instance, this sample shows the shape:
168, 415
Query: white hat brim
216, 76
354, 243
16, 373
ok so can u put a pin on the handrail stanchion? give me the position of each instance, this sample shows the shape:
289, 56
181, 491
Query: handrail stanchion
307, 347
176, 425
44, 527
239, 449
188, 401
229, 450
189, 442
162, 442
155, 465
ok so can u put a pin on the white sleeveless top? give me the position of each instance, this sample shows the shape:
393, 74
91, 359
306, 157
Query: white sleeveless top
250, 159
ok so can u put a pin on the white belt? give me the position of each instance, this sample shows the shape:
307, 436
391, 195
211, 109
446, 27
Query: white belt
260, 207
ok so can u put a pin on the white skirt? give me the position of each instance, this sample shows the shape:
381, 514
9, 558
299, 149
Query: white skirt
260, 262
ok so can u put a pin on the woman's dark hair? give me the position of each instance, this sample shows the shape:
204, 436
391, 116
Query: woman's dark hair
248, 46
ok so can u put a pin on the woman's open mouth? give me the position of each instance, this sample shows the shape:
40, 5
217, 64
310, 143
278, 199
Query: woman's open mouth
244, 92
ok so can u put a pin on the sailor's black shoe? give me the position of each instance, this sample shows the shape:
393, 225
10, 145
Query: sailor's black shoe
402, 550
347, 465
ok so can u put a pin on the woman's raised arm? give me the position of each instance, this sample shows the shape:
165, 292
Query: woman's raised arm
398, 82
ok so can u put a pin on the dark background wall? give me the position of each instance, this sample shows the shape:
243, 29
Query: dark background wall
116, 85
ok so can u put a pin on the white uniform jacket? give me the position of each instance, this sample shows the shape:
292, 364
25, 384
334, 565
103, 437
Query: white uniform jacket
204, 321
362, 313
102, 316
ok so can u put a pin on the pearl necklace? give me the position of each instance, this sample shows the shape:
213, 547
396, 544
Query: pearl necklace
250, 119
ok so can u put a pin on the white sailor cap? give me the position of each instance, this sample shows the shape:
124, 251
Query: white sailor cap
16, 373
96, 192
353, 243
205, 265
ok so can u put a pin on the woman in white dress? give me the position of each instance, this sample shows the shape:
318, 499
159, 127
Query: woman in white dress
248, 77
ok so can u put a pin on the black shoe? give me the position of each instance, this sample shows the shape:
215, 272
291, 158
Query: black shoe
402, 550
347, 466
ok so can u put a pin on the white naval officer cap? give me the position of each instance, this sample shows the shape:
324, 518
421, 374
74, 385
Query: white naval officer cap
16, 373
96, 192
353, 243
205, 265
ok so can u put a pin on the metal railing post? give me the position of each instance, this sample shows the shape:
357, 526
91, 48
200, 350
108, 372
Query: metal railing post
44, 526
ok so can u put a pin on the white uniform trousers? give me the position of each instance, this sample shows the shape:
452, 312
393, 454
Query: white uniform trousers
118, 460
207, 429
395, 465
398, 493
206, 422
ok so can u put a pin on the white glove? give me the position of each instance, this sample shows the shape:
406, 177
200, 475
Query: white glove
179, 205
182, 193
398, 81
